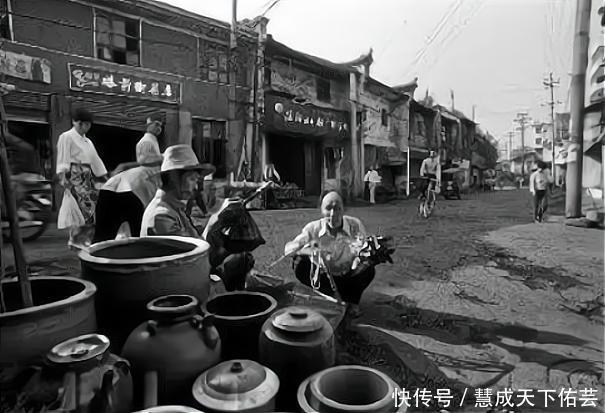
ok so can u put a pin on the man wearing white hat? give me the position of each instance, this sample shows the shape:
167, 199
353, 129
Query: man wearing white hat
167, 214
179, 173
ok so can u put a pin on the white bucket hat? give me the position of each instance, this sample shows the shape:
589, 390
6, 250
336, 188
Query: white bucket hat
182, 157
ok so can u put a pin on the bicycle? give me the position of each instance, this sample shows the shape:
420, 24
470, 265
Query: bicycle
425, 209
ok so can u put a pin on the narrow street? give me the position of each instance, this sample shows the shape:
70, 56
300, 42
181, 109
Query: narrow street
477, 291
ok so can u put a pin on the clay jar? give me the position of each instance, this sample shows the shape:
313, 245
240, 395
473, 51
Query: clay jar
237, 386
129, 273
168, 352
80, 375
296, 342
348, 389
239, 317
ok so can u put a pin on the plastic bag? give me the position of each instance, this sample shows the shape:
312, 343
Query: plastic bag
70, 214
233, 228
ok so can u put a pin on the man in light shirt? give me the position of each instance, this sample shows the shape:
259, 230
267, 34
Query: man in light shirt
428, 170
374, 179
148, 145
539, 182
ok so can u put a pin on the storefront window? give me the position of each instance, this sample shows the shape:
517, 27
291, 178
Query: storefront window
117, 39
214, 66
209, 144
323, 89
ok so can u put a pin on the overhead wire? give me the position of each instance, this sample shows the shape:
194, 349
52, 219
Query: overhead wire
436, 32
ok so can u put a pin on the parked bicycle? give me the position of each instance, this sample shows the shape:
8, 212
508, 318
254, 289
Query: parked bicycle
427, 205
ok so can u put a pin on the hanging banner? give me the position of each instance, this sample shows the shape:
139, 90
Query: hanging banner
25, 67
284, 115
112, 82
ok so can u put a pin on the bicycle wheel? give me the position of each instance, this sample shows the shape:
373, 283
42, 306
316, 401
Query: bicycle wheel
430, 203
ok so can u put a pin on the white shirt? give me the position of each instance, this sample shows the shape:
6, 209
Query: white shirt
373, 176
147, 147
429, 166
538, 181
337, 252
75, 148
143, 181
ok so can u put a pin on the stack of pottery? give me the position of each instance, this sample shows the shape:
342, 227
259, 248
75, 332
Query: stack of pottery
171, 350
81, 375
238, 317
131, 272
64, 307
296, 342
237, 386
349, 389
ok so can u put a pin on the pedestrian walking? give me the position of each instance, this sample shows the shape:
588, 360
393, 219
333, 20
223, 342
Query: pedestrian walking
148, 145
374, 179
125, 196
539, 182
79, 168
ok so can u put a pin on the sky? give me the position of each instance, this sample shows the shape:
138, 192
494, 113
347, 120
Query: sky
493, 54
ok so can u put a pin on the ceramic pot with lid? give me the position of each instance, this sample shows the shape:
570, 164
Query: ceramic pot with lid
237, 386
349, 389
168, 352
296, 342
81, 375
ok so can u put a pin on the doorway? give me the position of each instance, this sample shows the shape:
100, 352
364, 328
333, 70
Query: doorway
114, 145
288, 156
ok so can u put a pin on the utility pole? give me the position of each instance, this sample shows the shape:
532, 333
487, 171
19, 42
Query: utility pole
522, 119
573, 196
474, 107
511, 135
551, 84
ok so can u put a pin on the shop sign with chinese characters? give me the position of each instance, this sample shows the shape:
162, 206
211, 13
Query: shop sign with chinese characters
111, 82
287, 116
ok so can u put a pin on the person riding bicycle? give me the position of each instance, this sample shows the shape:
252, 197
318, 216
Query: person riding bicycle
428, 170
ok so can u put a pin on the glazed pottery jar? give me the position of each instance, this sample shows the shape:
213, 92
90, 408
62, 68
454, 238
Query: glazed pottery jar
168, 352
129, 273
348, 389
80, 375
237, 386
296, 342
239, 316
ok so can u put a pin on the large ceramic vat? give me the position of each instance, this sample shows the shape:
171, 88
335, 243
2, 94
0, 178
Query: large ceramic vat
131, 272
63, 308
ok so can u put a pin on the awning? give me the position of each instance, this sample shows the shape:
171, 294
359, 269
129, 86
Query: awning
449, 117
383, 143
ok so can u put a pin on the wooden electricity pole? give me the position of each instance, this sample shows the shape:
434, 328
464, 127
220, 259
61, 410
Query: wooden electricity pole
551, 84
573, 195
522, 119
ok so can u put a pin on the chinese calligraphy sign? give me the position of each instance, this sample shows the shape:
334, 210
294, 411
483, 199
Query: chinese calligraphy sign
110, 82
285, 115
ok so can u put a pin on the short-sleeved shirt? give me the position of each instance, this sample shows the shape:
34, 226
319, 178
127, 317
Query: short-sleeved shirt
75, 148
337, 251
165, 215
148, 148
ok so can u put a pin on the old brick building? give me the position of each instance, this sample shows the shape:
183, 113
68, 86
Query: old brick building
125, 60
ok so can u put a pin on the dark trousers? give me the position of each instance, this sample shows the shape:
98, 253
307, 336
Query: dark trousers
540, 200
425, 183
113, 209
350, 286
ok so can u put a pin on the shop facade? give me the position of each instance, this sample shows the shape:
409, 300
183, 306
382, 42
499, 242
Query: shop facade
125, 62
306, 125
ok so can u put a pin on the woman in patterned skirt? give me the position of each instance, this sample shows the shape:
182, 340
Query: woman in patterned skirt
78, 167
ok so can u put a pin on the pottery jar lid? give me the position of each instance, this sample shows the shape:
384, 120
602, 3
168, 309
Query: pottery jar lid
235, 385
79, 349
298, 319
